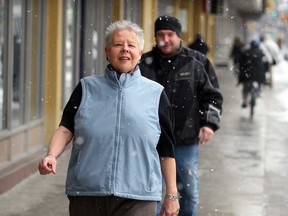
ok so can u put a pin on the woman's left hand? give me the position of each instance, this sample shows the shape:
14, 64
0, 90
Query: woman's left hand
170, 207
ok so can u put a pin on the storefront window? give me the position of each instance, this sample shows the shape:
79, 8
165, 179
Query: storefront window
1, 62
21, 74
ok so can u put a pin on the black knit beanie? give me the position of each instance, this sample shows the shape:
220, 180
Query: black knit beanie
168, 23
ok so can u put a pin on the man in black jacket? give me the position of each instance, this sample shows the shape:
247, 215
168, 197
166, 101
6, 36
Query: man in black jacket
192, 87
251, 69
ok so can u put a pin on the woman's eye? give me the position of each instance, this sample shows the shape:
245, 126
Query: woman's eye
117, 44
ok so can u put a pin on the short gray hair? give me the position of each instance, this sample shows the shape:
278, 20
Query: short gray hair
124, 25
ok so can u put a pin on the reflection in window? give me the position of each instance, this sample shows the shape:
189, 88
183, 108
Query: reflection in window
102, 9
17, 40
68, 75
33, 70
1, 61
133, 11
165, 7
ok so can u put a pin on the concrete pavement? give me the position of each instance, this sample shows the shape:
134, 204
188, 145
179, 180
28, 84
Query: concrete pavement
243, 171
38, 195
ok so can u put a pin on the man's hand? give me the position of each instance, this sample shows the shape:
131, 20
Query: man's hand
205, 134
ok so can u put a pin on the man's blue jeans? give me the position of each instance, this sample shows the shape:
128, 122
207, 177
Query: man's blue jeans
187, 178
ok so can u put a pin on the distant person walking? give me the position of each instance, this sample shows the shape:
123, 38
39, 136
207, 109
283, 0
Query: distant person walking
235, 54
199, 44
251, 68
272, 53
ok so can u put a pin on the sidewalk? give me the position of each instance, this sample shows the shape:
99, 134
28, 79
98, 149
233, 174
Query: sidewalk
243, 171
38, 195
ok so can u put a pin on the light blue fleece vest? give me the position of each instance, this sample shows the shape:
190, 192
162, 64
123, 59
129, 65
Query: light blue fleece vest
116, 133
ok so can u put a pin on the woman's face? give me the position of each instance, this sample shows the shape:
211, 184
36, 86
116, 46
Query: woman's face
123, 52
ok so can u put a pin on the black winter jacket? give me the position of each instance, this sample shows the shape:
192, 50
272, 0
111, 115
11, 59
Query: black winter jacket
192, 87
251, 66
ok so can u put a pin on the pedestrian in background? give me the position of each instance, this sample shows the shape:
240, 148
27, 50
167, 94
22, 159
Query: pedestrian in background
252, 69
272, 53
268, 60
121, 126
235, 53
192, 88
199, 44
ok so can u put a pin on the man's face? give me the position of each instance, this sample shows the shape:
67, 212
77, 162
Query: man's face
168, 42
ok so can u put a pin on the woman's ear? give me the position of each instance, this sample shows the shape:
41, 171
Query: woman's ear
107, 54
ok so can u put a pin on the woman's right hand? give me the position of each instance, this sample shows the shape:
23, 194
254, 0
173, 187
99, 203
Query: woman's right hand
47, 165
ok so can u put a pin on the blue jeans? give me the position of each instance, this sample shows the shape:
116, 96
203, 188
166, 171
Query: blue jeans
187, 178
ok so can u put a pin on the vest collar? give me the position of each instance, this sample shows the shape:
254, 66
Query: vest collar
122, 79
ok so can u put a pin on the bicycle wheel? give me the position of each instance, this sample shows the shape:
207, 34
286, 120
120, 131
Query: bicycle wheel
254, 89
